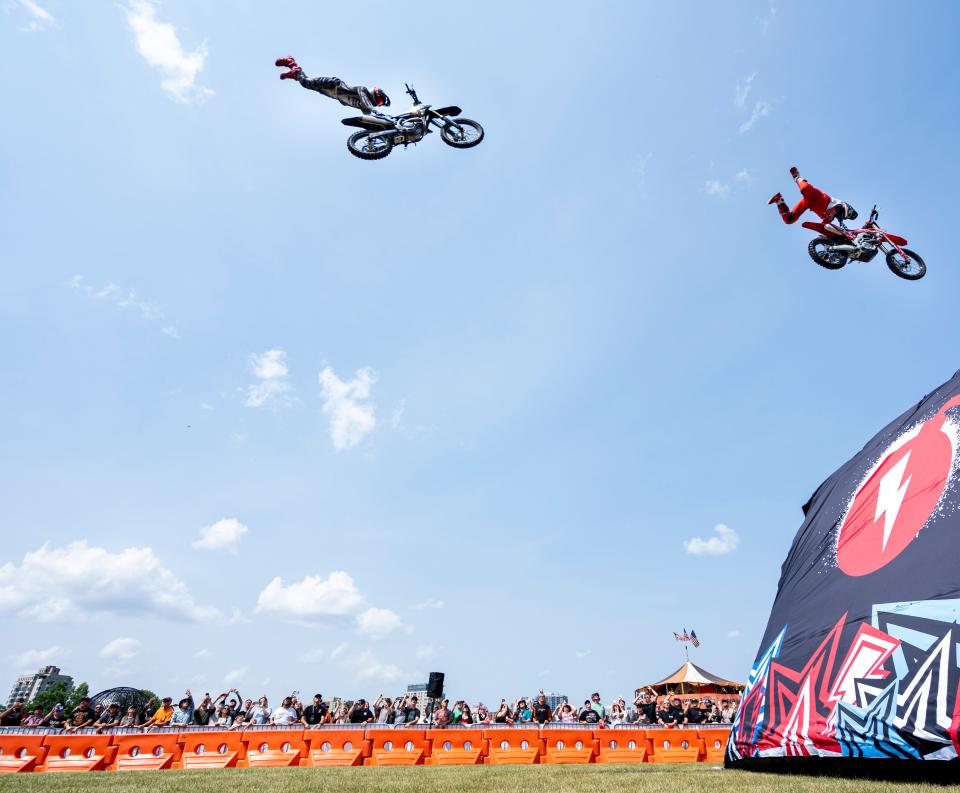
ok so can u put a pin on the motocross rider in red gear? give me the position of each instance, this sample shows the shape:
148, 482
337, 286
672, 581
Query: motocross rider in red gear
815, 200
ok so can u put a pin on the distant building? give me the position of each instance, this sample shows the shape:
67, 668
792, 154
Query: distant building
28, 687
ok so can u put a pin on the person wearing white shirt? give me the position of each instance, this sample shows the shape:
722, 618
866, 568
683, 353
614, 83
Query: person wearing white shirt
285, 714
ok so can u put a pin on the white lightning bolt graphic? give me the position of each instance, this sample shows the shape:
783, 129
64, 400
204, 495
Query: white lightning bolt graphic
890, 496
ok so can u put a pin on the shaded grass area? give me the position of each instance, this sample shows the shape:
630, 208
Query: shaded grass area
699, 778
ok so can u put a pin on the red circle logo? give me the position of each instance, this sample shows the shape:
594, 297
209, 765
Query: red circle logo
898, 497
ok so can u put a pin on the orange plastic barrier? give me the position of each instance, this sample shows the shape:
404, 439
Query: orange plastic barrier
219, 749
335, 747
78, 753
354, 747
714, 744
568, 746
513, 746
674, 746
271, 748
21, 753
622, 746
397, 747
456, 747
147, 751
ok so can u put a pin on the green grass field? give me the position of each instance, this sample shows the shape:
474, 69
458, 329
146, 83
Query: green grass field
699, 778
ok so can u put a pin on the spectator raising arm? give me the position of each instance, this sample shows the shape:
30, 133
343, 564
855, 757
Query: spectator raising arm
183, 715
13, 716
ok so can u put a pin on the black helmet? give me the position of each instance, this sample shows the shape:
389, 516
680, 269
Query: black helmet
846, 212
380, 99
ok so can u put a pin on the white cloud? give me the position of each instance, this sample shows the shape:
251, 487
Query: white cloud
716, 188
348, 406
425, 652
583, 653
368, 667
237, 617
158, 44
238, 436
120, 650
767, 21
124, 298
734, 634
34, 659
743, 90
40, 18
203, 655
70, 583
376, 623
334, 600
430, 603
339, 650
396, 417
313, 656
743, 175
224, 535
235, 675
313, 599
760, 109
272, 389
640, 163
725, 541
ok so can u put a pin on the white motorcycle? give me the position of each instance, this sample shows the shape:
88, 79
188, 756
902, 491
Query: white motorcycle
380, 133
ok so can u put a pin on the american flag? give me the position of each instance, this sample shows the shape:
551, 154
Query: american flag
694, 639
682, 637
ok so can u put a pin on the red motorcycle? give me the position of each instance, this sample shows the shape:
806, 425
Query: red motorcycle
838, 245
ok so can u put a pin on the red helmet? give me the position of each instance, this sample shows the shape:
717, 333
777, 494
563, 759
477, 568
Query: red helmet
379, 97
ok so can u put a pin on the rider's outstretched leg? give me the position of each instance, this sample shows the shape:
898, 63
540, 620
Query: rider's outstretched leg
789, 215
815, 198
324, 83
289, 62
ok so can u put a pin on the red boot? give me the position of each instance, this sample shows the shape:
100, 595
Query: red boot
287, 61
776, 199
293, 74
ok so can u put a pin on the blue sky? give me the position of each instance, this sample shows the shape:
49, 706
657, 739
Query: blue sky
281, 419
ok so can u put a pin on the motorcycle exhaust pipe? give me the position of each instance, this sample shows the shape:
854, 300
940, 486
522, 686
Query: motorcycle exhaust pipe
844, 248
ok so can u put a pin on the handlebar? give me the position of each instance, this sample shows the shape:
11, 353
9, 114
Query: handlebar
413, 94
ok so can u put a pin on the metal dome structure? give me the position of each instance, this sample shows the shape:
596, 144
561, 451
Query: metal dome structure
124, 696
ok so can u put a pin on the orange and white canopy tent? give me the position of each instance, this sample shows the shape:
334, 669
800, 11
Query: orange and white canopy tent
692, 679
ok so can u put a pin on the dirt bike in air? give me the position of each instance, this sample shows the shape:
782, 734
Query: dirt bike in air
837, 245
380, 133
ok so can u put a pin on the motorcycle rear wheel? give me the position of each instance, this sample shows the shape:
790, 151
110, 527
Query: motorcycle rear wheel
820, 253
362, 145
913, 269
470, 134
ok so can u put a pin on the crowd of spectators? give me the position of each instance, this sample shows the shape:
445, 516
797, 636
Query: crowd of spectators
231, 711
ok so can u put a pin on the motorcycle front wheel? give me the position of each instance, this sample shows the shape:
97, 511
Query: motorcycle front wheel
820, 250
912, 268
367, 147
462, 133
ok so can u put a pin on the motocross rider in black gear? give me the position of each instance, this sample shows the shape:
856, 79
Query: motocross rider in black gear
366, 100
